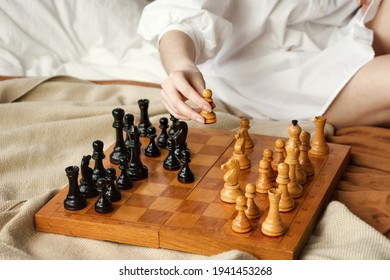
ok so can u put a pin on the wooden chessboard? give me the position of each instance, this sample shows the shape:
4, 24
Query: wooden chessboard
161, 212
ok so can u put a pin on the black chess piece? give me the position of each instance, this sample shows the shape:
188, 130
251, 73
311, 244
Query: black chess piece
103, 204
119, 149
144, 121
136, 169
124, 182
152, 150
74, 199
185, 174
113, 192
171, 162
128, 123
98, 155
174, 120
162, 138
87, 185
180, 136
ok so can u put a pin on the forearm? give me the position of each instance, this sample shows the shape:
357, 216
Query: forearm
177, 51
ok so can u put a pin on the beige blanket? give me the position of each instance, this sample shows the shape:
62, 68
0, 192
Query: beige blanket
48, 123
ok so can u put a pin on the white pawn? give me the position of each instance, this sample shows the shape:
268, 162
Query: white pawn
286, 203
241, 223
279, 154
304, 159
253, 211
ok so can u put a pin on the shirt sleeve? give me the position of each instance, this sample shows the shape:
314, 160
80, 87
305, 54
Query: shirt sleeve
201, 20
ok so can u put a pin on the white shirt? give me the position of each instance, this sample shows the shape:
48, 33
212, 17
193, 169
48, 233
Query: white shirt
270, 59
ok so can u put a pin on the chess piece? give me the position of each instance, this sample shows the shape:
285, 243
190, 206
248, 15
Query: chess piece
74, 199
144, 121
174, 120
286, 203
304, 159
113, 192
239, 151
279, 154
128, 123
98, 155
124, 181
103, 204
209, 117
87, 185
263, 183
241, 223
136, 170
171, 162
252, 212
295, 130
162, 138
231, 188
319, 147
268, 156
273, 224
119, 149
185, 175
152, 150
295, 189
180, 136
244, 125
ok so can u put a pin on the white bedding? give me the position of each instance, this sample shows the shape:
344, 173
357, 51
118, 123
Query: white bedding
87, 39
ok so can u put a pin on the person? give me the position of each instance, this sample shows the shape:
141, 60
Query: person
278, 60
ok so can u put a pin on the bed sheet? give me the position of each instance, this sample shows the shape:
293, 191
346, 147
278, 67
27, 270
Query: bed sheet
86, 39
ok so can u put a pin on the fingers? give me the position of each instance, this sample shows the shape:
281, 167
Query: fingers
178, 108
180, 87
190, 85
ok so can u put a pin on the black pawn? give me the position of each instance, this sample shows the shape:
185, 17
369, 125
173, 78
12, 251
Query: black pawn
136, 169
152, 150
113, 192
98, 155
119, 149
103, 204
171, 162
144, 122
87, 185
163, 137
124, 181
185, 175
128, 123
74, 199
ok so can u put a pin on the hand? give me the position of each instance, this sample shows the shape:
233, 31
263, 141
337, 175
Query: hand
183, 85
364, 4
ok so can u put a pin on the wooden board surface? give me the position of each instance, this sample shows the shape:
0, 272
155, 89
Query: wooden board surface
161, 212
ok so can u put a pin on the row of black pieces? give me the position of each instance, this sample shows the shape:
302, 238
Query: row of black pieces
174, 141
125, 122
89, 183
109, 186
108, 189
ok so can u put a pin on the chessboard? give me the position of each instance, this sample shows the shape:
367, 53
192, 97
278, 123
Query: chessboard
162, 212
